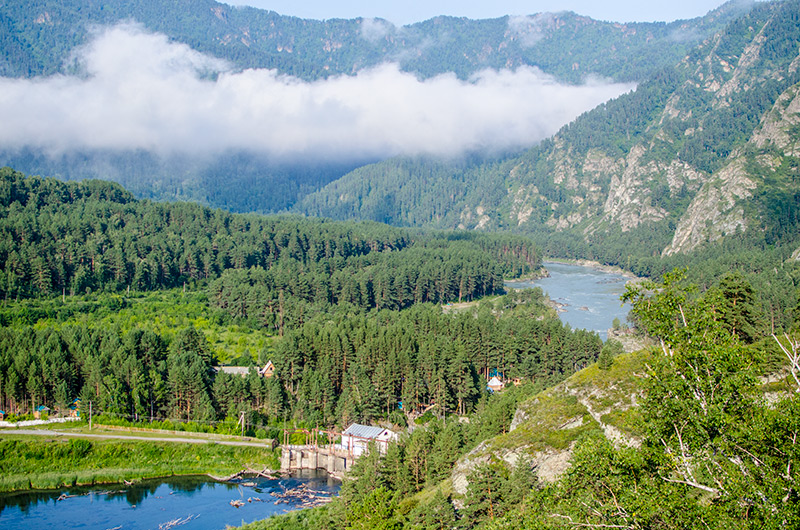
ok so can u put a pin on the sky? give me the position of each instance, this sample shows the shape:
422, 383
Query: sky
410, 11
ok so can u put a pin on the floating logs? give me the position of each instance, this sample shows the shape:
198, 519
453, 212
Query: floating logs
265, 473
65, 496
303, 495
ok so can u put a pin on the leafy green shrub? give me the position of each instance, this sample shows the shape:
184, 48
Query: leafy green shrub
425, 418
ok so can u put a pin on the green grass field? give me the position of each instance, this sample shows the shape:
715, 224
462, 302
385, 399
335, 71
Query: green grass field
28, 462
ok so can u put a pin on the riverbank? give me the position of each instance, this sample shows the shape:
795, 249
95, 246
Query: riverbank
611, 269
50, 462
536, 275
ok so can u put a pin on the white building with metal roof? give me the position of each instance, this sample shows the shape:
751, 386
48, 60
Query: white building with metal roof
356, 438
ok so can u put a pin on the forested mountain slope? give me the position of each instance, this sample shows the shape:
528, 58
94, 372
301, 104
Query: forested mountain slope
39, 36
84, 236
701, 150
46, 38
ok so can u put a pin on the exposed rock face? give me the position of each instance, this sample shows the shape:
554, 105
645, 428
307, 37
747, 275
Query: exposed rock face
718, 209
628, 202
715, 211
780, 127
591, 186
742, 75
477, 219
466, 465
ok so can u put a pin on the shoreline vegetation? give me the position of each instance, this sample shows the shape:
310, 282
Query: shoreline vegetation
611, 269
29, 462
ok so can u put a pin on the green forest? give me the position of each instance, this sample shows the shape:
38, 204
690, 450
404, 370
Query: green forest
717, 438
129, 305
377, 293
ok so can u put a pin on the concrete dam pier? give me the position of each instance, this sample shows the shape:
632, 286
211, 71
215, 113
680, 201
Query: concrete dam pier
334, 461
335, 458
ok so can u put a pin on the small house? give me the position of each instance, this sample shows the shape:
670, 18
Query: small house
2, 415
356, 438
243, 371
40, 411
268, 370
495, 384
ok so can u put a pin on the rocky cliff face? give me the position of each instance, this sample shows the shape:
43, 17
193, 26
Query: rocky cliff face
701, 155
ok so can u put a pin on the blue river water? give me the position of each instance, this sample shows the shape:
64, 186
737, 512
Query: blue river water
188, 503
588, 298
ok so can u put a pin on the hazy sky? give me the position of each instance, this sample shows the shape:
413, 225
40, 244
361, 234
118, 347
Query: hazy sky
410, 11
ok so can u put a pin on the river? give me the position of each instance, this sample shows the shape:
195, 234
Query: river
203, 504
588, 298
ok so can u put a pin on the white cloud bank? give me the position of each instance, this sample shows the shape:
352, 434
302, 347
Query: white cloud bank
140, 91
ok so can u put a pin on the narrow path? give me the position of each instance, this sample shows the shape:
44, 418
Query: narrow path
54, 433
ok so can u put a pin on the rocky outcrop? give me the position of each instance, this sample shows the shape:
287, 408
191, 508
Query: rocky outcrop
628, 202
781, 126
715, 211
546, 427
718, 209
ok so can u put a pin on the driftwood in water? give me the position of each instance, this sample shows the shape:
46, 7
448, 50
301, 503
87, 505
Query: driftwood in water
265, 473
304, 495
176, 522
64, 496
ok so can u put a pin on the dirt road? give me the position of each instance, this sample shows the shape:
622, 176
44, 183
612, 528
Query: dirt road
54, 433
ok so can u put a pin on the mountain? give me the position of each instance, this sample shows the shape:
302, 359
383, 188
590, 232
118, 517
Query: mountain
43, 39
700, 151
38, 38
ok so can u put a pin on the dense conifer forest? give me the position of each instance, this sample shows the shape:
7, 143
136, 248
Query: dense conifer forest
349, 313
130, 306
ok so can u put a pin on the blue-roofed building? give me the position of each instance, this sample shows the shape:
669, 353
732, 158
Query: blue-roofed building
356, 438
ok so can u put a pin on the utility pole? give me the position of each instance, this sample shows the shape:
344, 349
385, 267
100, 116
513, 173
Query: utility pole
241, 419
90, 415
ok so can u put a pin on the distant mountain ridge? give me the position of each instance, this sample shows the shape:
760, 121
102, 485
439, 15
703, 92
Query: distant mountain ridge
39, 38
700, 151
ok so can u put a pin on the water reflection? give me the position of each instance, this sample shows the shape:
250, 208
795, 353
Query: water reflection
150, 503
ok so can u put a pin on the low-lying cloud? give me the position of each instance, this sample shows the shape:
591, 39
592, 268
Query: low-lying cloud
531, 29
375, 29
138, 90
